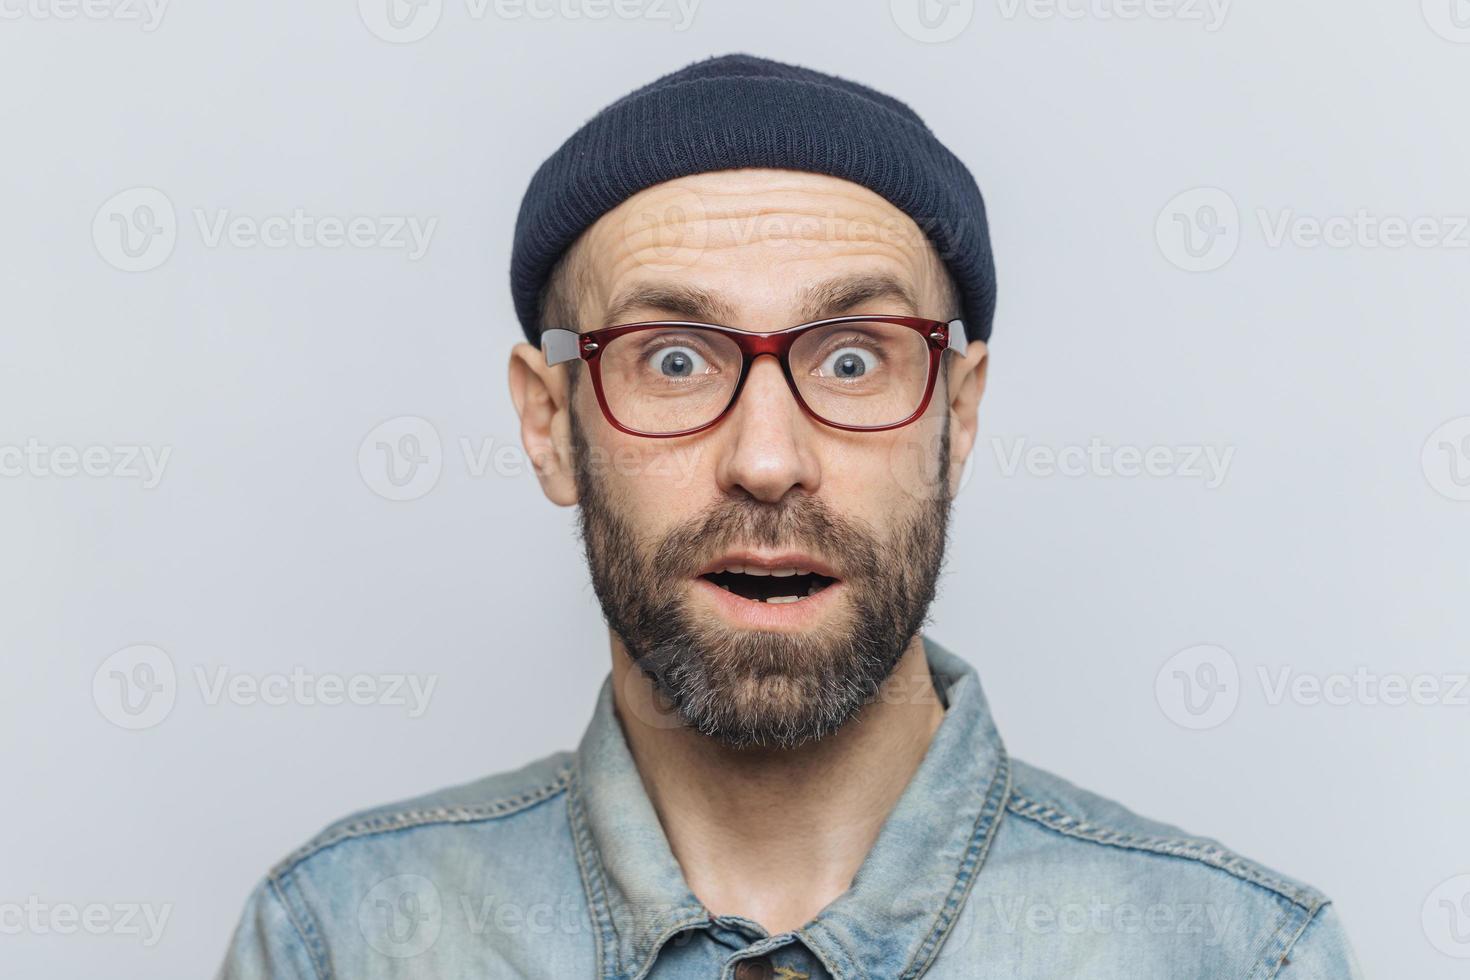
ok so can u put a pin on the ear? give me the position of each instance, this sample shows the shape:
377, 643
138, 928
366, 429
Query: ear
966, 387
540, 394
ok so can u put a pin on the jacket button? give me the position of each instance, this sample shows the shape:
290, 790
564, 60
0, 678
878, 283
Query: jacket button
756, 969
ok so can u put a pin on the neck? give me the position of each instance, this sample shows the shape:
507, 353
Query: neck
774, 835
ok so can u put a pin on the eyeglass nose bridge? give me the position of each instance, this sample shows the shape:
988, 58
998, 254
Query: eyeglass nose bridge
778, 345
779, 348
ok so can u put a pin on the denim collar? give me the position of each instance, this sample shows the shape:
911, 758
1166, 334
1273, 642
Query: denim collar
902, 902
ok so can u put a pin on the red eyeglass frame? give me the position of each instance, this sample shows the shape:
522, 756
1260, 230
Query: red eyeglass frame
560, 345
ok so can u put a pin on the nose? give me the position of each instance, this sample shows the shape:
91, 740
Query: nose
769, 450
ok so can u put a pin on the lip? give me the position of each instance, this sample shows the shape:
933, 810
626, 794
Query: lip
784, 559
780, 617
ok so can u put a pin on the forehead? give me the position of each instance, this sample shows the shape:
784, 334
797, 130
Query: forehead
755, 248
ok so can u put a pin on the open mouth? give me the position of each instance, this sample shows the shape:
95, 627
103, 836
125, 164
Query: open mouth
770, 585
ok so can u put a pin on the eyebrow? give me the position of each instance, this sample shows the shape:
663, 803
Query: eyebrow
842, 293
830, 297
672, 299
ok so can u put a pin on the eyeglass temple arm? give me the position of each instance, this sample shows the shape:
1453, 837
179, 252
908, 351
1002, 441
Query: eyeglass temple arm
559, 345
957, 341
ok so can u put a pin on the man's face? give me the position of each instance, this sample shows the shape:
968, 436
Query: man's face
692, 541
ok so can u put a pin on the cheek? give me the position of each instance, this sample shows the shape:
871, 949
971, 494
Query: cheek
658, 483
889, 473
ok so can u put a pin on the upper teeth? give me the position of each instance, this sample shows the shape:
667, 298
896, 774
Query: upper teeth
757, 570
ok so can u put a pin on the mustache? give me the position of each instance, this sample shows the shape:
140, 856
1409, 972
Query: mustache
799, 522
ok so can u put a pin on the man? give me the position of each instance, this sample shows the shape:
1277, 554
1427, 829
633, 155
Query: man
758, 300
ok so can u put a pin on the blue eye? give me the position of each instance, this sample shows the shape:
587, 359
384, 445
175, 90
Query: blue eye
848, 363
677, 362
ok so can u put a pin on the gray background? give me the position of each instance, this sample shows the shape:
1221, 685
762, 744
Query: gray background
1337, 541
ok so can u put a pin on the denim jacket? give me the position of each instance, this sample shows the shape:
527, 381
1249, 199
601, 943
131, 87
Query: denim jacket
986, 867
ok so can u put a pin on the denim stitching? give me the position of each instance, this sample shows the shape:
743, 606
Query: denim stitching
1210, 854
824, 949
665, 936
986, 823
1272, 963
596, 888
406, 819
305, 925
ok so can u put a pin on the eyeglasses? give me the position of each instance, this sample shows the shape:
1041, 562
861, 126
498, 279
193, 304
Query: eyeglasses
671, 378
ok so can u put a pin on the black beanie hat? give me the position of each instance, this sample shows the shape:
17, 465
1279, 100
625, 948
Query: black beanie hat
740, 111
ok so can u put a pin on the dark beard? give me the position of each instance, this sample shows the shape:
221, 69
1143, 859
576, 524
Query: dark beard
750, 688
